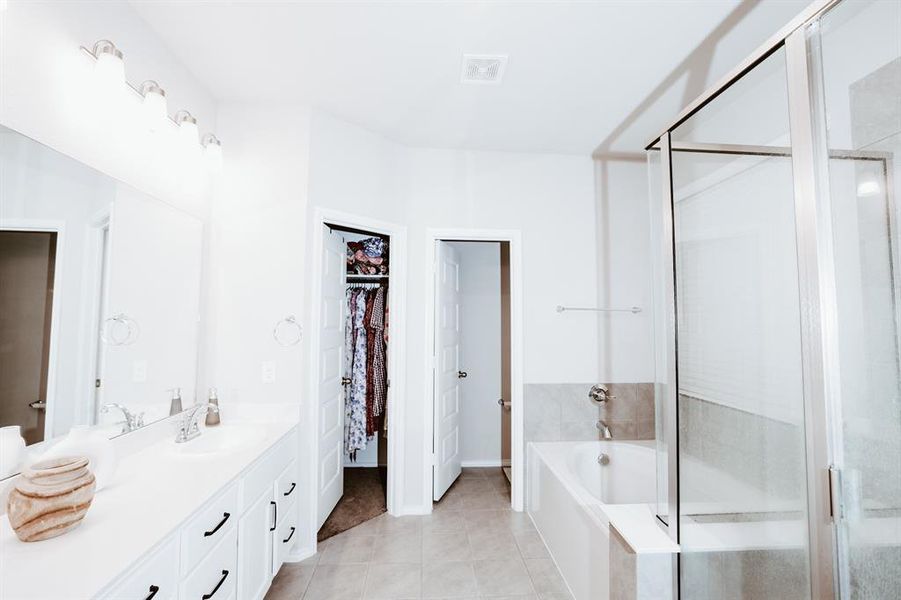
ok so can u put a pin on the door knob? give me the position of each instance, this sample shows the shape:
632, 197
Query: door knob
38, 405
346, 381
462, 374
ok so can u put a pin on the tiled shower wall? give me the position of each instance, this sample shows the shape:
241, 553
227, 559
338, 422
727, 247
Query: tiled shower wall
556, 412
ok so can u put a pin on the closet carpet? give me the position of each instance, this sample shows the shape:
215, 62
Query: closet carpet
364, 499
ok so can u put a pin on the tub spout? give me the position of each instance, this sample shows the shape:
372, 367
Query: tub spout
605, 431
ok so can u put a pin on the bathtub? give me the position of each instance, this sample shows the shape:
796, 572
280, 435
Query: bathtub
572, 498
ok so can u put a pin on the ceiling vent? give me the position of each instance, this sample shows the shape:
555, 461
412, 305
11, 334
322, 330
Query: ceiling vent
483, 68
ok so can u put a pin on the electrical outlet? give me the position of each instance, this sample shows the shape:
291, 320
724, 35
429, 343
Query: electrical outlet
268, 372
139, 371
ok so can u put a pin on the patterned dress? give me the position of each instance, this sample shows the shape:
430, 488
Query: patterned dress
355, 402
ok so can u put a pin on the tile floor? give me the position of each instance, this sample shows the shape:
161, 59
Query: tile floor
471, 546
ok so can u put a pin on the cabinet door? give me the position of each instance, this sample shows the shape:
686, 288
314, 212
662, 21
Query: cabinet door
255, 548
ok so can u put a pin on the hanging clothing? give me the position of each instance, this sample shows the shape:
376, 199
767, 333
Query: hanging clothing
355, 400
378, 379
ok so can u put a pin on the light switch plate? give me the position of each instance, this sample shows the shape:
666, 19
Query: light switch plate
139, 371
268, 372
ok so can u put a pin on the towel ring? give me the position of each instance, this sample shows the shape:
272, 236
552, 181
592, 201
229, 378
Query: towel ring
281, 332
112, 325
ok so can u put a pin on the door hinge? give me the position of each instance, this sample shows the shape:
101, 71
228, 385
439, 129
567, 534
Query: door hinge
835, 492
97, 383
387, 383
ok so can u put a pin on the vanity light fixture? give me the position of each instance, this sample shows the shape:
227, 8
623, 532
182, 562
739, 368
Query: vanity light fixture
109, 68
212, 151
154, 102
187, 125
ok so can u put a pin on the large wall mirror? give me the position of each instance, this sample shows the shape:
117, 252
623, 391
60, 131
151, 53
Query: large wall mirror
99, 297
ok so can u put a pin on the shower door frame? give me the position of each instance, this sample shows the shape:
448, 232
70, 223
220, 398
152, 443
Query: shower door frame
816, 278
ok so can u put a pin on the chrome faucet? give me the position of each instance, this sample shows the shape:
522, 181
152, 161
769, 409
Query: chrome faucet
605, 431
600, 394
188, 428
132, 422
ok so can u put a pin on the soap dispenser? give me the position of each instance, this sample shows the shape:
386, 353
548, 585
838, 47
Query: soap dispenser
212, 416
175, 406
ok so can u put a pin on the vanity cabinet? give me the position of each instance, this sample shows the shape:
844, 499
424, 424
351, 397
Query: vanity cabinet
231, 547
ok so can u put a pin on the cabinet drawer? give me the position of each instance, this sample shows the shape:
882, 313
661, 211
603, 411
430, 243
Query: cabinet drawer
208, 528
216, 575
283, 538
261, 475
154, 577
286, 491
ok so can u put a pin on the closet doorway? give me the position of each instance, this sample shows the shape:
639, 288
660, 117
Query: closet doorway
475, 363
354, 356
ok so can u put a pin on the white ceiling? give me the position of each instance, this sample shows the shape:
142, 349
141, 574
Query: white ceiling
576, 70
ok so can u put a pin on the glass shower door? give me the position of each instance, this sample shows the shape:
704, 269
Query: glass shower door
857, 94
743, 513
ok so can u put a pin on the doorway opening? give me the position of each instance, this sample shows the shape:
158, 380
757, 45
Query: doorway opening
472, 375
353, 377
27, 275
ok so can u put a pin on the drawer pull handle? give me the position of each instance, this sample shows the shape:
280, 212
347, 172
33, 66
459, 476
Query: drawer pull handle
274, 515
293, 485
225, 517
290, 535
218, 585
153, 590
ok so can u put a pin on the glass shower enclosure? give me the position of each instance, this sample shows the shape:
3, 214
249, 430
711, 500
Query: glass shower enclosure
776, 245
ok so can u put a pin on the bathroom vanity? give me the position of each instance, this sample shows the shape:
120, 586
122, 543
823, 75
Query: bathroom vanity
213, 518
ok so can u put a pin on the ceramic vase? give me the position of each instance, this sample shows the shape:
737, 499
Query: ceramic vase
93, 444
50, 498
12, 447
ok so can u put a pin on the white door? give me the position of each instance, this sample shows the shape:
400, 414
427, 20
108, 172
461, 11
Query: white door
331, 369
447, 375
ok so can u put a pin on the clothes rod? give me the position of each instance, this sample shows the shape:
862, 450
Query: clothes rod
634, 310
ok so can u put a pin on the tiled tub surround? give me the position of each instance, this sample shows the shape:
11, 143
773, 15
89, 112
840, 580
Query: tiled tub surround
471, 546
562, 412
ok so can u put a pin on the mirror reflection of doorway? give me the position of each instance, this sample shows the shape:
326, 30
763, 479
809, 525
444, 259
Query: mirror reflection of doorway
27, 265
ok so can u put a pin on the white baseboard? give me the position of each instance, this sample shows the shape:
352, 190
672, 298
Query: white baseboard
483, 463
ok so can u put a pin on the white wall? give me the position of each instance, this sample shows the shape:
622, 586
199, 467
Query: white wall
625, 340
258, 272
480, 341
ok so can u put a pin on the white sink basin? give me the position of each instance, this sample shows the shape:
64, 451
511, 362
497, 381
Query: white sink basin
221, 439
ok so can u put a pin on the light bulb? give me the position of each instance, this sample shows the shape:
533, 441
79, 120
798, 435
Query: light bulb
212, 152
154, 104
109, 70
187, 126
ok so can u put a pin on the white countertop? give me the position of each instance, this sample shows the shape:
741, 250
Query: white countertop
154, 491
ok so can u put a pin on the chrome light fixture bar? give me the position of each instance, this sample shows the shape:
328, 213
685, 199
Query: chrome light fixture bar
111, 60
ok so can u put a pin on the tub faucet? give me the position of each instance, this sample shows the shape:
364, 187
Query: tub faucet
605, 431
